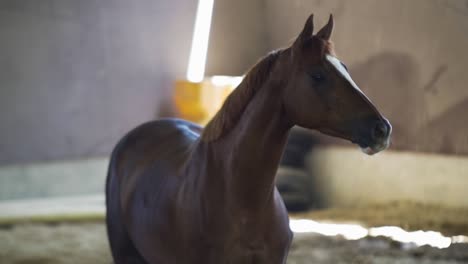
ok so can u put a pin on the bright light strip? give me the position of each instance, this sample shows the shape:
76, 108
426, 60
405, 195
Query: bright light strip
353, 232
222, 80
419, 238
201, 34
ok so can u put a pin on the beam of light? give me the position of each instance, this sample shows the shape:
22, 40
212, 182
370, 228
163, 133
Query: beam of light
201, 34
353, 232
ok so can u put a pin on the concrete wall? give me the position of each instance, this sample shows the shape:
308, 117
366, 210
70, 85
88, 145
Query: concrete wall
53, 179
408, 56
76, 75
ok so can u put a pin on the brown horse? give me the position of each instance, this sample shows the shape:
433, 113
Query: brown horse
179, 194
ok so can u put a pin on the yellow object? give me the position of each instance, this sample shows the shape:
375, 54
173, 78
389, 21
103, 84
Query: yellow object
199, 102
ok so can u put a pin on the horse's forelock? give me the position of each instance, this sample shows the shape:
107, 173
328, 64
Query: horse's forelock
329, 48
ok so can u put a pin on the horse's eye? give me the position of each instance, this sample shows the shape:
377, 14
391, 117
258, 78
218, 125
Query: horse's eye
317, 77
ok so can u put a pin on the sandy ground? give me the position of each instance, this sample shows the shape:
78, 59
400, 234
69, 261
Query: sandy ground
409, 215
87, 243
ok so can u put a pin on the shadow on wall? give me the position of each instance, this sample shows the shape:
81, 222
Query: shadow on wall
447, 133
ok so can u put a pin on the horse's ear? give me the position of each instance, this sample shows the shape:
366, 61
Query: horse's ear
306, 33
326, 31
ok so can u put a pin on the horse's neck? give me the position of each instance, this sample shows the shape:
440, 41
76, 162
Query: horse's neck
255, 148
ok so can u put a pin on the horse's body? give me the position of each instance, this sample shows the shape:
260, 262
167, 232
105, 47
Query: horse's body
179, 194
181, 206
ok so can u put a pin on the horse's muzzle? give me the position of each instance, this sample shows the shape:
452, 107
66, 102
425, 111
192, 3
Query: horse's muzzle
378, 137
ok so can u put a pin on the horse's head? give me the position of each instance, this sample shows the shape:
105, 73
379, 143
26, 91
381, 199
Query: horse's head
320, 93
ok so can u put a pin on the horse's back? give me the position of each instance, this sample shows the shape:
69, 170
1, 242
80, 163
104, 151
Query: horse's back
144, 172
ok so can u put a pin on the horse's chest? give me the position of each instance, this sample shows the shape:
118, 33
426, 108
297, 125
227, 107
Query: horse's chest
250, 253
259, 248
246, 247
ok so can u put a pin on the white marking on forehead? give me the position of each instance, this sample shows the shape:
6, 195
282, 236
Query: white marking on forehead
337, 64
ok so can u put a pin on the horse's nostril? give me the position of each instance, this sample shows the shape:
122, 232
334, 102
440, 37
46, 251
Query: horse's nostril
380, 130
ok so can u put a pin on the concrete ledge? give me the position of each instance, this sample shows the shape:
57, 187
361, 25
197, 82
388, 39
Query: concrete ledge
53, 179
345, 177
57, 209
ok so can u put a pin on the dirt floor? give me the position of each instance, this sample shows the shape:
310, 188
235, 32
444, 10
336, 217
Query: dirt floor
87, 243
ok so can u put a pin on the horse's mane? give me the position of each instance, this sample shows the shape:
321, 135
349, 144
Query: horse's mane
231, 111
